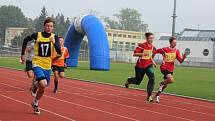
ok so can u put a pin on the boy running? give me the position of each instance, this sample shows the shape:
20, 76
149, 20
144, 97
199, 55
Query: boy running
144, 65
44, 45
167, 67
29, 51
59, 64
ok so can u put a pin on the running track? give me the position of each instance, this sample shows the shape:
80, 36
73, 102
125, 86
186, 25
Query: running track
86, 101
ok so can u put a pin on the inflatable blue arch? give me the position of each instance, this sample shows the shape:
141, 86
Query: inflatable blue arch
92, 27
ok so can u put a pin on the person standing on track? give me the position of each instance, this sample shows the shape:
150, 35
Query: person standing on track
59, 64
167, 67
44, 45
144, 65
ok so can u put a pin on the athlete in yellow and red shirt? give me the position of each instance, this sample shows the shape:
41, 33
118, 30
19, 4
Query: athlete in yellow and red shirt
170, 54
144, 65
59, 64
44, 45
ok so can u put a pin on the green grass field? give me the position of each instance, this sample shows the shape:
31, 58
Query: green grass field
195, 82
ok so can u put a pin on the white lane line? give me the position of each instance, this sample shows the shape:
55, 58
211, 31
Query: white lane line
142, 95
53, 113
101, 100
116, 103
138, 100
77, 104
118, 95
95, 109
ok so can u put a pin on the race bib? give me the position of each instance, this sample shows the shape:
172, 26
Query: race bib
170, 57
44, 49
147, 54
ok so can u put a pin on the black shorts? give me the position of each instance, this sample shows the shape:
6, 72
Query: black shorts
165, 73
57, 68
28, 65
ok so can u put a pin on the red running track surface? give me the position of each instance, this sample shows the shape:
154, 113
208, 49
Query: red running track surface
87, 101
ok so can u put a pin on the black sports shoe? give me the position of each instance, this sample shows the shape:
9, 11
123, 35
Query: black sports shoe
127, 83
36, 108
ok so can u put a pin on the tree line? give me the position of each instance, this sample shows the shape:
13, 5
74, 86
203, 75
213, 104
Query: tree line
12, 16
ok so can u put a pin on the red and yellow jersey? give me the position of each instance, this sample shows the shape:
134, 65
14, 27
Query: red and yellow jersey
43, 49
146, 59
60, 61
169, 57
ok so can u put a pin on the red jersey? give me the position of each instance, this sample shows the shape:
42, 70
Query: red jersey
169, 56
145, 60
60, 61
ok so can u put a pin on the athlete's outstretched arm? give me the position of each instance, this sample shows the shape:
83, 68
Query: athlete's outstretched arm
159, 51
179, 58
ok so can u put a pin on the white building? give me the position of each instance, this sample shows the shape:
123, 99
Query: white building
11, 33
200, 43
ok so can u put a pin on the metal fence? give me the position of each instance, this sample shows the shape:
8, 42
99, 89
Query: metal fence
122, 55
10, 51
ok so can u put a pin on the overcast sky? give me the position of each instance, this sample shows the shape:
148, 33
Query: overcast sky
156, 13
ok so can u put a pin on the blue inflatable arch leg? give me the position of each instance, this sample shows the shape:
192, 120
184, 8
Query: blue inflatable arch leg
98, 43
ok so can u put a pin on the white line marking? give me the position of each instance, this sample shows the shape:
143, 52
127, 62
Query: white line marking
101, 100
10, 91
92, 108
53, 113
108, 101
76, 104
139, 100
135, 95
142, 95
119, 96
103, 83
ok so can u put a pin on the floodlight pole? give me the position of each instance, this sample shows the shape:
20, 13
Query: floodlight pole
174, 19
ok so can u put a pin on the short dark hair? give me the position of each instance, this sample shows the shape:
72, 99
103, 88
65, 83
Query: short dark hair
171, 39
147, 34
48, 20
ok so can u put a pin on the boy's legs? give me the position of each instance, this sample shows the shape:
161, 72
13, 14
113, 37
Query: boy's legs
43, 79
139, 74
168, 79
151, 82
60, 73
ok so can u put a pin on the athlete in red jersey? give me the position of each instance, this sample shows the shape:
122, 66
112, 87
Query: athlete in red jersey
144, 65
170, 54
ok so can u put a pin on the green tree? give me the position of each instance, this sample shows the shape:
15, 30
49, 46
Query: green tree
41, 19
127, 19
11, 16
111, 23
67, 24
31, 23
61, 24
